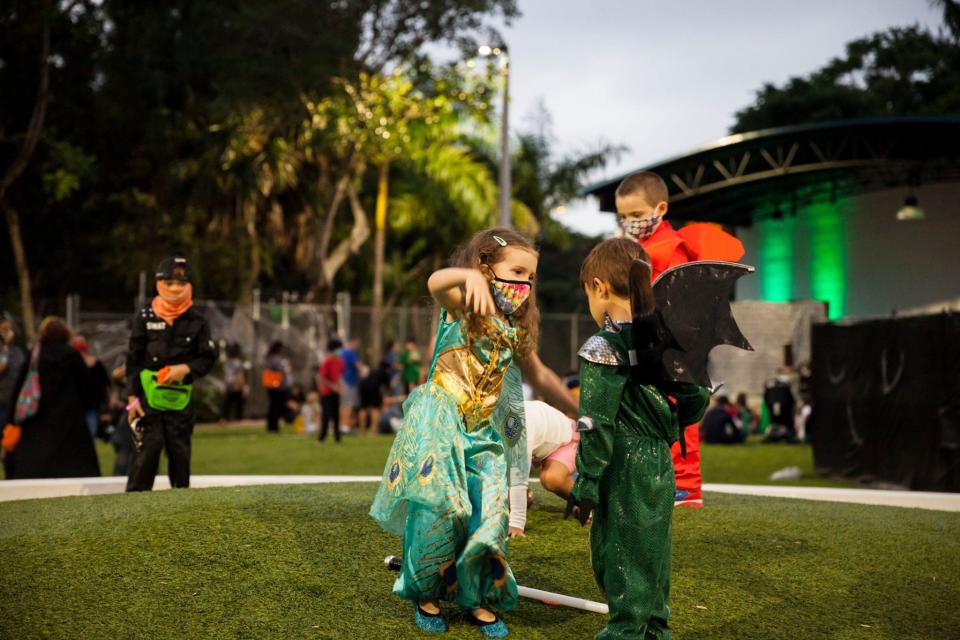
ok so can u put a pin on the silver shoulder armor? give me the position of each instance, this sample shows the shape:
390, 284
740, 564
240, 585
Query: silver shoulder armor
599, 351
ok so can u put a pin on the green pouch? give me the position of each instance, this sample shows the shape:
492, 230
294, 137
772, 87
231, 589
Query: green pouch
164, 397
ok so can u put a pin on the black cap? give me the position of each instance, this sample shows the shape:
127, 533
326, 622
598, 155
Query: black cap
174, 268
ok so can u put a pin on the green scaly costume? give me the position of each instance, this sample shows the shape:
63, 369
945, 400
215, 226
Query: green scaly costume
626, 471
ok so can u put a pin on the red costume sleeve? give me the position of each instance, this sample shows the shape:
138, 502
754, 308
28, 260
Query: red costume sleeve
666, 249
706, 241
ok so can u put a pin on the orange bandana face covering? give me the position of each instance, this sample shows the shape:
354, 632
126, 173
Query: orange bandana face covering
170, 307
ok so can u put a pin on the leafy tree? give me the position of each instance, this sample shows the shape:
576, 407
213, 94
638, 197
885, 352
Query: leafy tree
169, 122
901, 71
47, 51
544, 181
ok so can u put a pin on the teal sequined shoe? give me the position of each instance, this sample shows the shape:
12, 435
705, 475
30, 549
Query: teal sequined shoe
494, 629
429, 622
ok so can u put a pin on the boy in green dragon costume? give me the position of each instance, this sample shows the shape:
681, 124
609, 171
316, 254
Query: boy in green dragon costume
630, 415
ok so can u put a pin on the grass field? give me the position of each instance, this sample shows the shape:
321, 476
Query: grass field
244, 450
306, 562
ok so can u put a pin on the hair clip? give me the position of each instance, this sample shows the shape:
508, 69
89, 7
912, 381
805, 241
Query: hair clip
500, 241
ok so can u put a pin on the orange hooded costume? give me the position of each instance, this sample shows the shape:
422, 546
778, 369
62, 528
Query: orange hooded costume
667, 248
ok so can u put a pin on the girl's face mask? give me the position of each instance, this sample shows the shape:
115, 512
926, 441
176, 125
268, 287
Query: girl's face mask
639, 229
509, 295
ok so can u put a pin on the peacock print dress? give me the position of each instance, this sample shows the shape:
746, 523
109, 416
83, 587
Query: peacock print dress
446, 481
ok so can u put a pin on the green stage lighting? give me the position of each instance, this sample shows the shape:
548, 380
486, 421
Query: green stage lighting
776, 259
828, 259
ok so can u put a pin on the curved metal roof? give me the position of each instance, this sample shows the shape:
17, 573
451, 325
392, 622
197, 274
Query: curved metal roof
767, 173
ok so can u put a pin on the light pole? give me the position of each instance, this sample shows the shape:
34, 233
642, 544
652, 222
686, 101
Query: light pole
501, 52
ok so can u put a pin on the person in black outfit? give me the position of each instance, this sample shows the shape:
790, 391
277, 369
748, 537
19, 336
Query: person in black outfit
55, 441
719, 426
171, 341
276, 380
122, 437
98, 396
781, 406
295, 400
371, 390
235, 384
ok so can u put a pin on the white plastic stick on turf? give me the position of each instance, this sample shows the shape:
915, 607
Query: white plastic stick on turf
566, 601
547, 597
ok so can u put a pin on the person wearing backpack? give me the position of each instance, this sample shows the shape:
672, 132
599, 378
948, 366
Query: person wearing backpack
54, 441
276, 380
170, 349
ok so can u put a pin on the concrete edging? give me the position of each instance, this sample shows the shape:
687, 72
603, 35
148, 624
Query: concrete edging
62, 487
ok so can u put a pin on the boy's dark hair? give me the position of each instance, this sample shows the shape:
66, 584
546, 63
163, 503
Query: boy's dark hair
618, 263
333, 344
647, 182
610, 261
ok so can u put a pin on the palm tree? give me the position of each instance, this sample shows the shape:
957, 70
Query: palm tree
400, 125
233, 189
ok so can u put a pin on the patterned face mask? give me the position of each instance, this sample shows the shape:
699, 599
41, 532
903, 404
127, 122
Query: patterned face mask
640, 229
509, 294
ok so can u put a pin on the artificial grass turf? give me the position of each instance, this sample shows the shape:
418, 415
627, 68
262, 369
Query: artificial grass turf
306, 562
242, 451
753, 461
253, 451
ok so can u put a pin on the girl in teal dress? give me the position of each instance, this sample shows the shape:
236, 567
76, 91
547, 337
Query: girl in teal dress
445, 484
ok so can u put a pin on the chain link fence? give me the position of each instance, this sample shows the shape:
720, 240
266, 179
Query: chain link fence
306, 328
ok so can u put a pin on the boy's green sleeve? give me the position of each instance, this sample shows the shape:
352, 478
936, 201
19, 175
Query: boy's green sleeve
601, 387
692, 401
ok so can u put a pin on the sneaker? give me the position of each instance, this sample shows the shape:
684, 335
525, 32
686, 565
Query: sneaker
429, 622
493, 629
684, 498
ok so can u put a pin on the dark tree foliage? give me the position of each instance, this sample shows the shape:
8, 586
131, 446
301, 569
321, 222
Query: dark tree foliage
901, 71
145, 101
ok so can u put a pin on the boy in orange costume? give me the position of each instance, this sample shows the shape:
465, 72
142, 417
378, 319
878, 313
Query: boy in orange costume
642, 201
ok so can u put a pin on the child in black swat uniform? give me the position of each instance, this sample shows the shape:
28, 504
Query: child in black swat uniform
170, 348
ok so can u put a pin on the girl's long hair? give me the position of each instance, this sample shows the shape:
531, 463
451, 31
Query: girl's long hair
54, 330
482, 252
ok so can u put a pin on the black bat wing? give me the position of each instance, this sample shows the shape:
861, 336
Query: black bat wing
693, 301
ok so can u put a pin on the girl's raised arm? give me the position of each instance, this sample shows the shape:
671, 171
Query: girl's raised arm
457, 290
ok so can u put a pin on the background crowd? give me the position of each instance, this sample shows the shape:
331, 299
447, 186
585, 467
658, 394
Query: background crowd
57, 397
346, 393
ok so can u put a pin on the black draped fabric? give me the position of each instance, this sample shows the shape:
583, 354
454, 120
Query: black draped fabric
56, 443
886, 401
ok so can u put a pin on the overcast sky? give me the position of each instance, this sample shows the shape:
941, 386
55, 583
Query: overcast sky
666, 77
